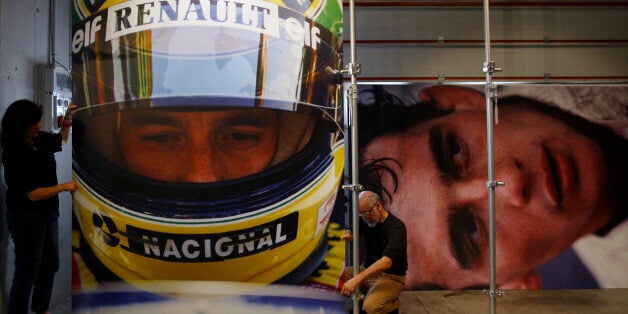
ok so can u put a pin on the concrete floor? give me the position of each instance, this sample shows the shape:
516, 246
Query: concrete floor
516, 301
580, 301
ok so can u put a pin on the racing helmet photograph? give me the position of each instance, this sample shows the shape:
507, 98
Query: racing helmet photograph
207, 140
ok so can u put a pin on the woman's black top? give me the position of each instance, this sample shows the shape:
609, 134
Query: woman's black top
28, 167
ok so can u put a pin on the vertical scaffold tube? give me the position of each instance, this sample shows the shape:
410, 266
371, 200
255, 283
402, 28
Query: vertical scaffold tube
491, 101
353, 69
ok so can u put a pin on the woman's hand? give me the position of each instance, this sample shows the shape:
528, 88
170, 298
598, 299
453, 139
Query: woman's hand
70, 186
69, 113
39, 194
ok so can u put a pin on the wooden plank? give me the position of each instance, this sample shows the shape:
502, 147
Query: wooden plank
516, 301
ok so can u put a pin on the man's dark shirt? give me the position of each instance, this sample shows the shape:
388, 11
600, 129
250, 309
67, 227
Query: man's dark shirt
387, 238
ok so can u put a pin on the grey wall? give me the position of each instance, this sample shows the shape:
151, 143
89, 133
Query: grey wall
548, 41
575, 43
23, 45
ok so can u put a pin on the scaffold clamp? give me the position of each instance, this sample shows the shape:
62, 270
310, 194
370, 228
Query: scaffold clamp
493, 184
353, 187
494, 293
352, 69
489, 67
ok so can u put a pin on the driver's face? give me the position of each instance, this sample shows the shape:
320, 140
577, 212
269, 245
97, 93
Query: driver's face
555, 192
194, 146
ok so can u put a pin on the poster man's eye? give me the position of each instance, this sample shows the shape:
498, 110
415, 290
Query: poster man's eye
455, 158
464, 237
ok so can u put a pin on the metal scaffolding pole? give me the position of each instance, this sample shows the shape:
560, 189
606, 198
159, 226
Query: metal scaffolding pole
491, 118
351, 129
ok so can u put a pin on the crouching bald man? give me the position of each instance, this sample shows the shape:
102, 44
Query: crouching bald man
382, 275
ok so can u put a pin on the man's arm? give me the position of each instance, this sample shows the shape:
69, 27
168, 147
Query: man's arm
380, 266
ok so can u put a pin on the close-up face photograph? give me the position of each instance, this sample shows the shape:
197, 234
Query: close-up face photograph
559, 186
313, 156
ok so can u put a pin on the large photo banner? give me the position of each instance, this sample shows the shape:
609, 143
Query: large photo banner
208, 147
207, 143
560, 150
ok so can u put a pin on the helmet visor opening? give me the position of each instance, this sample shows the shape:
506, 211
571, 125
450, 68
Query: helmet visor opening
185, 144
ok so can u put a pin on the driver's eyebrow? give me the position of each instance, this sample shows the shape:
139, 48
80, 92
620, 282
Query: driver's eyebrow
456, 246
438, 157
455, 239
437, 152
461, 225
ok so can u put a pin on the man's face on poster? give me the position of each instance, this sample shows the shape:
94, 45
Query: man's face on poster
554, 193
197, 146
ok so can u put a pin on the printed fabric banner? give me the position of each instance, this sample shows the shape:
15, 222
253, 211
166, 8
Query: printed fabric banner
207, 144
561, 151
209, 151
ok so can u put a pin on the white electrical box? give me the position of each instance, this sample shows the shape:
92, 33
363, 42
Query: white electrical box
54, 93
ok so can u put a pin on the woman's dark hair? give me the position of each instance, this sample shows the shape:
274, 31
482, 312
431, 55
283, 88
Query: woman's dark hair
18, 117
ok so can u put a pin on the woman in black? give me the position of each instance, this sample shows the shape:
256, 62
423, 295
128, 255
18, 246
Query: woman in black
32, 201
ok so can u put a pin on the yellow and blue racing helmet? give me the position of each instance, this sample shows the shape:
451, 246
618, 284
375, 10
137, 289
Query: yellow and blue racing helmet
207, 142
